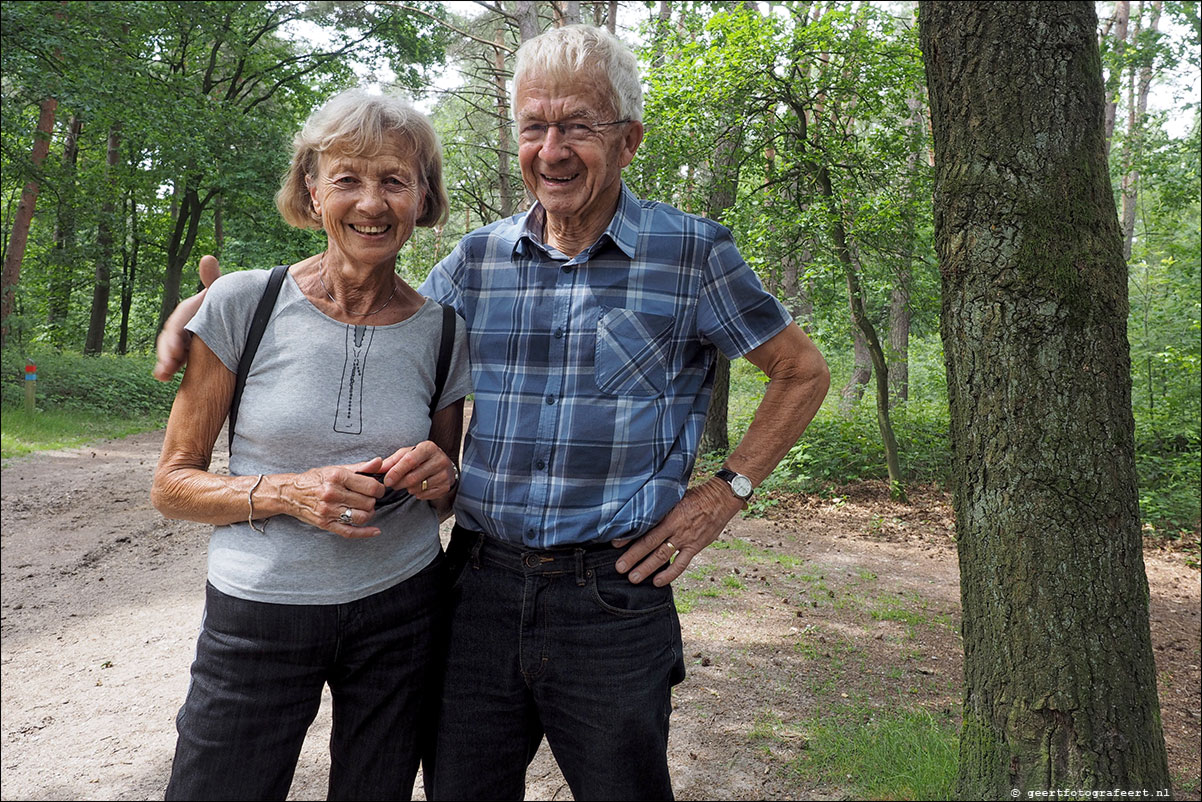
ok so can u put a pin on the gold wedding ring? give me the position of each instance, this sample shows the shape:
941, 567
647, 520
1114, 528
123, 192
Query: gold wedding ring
425, 485
668, 543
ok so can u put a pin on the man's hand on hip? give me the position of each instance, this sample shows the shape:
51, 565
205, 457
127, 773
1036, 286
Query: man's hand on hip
693, 524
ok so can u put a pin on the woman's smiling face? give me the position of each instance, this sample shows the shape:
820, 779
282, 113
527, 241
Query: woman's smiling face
368, 204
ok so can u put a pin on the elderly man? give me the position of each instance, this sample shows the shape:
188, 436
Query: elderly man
595, 320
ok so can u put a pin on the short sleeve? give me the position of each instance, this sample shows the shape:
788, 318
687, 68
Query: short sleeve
735, 312
442, 284
224, 317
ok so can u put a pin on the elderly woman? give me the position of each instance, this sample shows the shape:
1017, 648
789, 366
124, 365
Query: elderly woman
324, 562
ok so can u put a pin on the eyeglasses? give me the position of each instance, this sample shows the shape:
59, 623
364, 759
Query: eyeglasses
573, 132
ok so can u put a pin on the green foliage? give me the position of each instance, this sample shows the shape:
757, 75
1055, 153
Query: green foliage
838, 448
907, 754
202, 99
108, 385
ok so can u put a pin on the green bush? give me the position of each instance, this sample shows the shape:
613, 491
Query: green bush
121, 386
1170, 473
841, 448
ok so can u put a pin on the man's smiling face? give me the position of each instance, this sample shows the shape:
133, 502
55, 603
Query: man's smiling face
577, 181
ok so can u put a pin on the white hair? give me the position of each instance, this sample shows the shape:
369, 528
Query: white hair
566, 55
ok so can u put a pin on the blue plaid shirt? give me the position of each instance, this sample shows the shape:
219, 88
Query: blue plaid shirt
593, 374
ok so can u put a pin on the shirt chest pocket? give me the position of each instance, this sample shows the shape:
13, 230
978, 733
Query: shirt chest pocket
632, 352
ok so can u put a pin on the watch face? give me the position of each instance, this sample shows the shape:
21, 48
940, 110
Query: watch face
742, 486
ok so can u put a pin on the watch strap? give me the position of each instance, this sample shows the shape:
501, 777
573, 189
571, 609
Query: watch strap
729, 476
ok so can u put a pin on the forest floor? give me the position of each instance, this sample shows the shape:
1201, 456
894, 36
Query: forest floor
829, 609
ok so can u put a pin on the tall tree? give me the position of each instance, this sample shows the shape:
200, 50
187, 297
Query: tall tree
94, 343
1060, 683
14, 252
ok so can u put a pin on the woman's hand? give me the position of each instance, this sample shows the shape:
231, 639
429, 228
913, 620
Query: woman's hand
325, 497
424, 470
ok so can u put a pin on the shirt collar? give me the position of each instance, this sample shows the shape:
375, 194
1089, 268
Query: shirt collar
623, 229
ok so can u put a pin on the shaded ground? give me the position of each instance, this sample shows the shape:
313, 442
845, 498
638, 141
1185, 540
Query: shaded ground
833, 607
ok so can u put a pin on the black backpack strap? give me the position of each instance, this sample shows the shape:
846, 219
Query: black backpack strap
257, 325
446, 349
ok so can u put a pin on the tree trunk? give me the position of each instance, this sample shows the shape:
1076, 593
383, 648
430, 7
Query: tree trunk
15, 252
1133, 145
218, 227
1114, 84
722, 195
662, 19
129, 272
859, 315
179, 249
104, 269
526, 12
899, 337
899, 298
715, 437
504, 145
63, 257
795, 291
861, 372
1060, 683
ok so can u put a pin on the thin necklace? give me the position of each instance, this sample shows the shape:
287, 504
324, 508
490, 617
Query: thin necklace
321, 268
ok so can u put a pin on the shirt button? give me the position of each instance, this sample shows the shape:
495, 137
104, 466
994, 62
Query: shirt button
540, 465
567, 269
559, 334
550, 399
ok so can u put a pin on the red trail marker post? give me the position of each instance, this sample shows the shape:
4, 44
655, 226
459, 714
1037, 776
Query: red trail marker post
31, 383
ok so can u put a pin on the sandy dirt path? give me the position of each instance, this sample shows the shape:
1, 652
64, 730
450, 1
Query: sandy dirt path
102, 599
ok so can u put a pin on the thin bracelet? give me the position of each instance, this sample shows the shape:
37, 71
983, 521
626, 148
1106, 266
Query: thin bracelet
250, 518
455, 483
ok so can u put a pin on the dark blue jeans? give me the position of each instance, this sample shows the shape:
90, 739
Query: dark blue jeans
555, 642
257, 683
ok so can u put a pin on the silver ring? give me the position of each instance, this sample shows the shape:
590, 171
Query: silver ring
346, 516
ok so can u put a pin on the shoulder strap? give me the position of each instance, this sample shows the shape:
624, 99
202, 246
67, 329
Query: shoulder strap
257, 325
446, 349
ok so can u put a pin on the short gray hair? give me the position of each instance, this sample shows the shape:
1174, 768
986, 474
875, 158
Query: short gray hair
361, 123
564, 54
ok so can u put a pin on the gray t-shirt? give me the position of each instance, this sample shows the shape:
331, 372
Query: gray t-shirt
321, 392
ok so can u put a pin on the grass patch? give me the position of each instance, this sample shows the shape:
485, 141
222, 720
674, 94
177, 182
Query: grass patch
80, 399
883, 755
44, 430
753, 554
891, 608
685, 601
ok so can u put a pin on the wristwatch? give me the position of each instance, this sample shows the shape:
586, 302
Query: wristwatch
740, 485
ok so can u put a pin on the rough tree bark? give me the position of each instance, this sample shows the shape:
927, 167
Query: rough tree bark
1060, 683
14, 253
